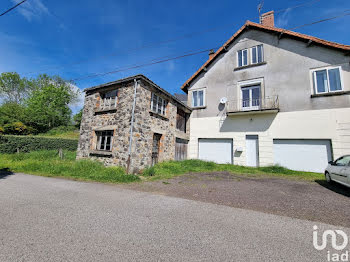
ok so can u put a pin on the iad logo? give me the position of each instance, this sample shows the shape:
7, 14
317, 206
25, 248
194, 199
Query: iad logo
339, 241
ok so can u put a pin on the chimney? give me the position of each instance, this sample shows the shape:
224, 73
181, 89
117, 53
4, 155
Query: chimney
268, 19
211, 53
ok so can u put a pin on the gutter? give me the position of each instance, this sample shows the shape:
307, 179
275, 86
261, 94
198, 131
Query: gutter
131, 127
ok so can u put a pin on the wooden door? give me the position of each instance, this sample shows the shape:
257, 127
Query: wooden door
155, 148
180, 149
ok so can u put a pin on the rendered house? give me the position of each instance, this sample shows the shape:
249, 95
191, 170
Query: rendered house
271, 96
133, 123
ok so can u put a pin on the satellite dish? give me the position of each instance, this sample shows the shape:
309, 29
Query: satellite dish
223, 100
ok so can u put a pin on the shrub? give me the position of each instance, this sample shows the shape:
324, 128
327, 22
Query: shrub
9, 144
17, 128
1, 130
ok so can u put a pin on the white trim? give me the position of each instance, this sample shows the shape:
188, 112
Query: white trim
245, 49
262, 54
204, 97
328, 89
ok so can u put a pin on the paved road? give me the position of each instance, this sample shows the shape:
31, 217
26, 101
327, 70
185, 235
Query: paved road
48, 219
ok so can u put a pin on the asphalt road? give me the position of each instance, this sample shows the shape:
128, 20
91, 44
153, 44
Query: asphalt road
48, 219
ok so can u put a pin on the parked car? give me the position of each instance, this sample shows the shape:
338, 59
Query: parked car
339, 171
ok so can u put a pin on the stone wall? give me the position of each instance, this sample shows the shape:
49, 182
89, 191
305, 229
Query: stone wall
146, 124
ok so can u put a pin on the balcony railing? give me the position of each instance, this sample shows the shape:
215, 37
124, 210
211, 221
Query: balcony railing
108, 103
260, 104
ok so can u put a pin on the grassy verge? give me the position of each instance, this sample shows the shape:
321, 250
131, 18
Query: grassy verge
170, 169
47, 163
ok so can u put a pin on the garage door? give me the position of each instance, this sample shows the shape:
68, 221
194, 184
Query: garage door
217, 150
303, 155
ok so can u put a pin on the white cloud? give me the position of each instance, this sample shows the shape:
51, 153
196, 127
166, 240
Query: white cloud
79, 103
33, 9
283, 19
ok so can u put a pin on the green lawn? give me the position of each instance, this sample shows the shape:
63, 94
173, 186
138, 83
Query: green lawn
170, 169
47, 163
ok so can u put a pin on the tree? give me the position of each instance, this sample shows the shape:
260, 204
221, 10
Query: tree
47, 105
13, 88
11, 112
77, 118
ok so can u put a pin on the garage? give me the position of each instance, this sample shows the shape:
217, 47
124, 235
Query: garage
216, 150
302, 155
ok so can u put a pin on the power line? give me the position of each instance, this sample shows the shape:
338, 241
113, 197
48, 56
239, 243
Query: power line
154, 44
8, 10
143, 65
153, 62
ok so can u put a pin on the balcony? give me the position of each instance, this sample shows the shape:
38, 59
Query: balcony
107, 104
260, 105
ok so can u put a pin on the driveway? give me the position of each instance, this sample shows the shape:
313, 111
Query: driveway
48, 219
305, 200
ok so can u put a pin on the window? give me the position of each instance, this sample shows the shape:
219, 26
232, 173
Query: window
158, 105
181, 120
257, 54
104, 140
109, 99
251, 97
343, 161
198, 98
242, 57
327, 80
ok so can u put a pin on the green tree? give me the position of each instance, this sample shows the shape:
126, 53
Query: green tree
48, 104
11, 112
13, 88
77, 118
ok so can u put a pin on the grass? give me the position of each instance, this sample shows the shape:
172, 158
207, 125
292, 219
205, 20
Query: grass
170, 169
47, 163
69, 132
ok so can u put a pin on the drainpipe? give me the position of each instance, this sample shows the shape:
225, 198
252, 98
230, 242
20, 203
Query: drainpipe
131, 128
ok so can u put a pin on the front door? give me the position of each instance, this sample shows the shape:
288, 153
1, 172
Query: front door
251, 97
252, 151
155, 148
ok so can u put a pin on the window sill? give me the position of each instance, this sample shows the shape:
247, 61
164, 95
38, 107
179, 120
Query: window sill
331, 94
101, 153
199, 107
158, 115
249, 66
105, 110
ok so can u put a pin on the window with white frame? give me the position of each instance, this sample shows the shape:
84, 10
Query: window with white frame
104, 140
198, 98
242, 57
109, 99
257, 54
158, 104
327, 80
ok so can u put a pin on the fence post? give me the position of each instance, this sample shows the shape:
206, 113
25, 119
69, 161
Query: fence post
17, 150
60, 153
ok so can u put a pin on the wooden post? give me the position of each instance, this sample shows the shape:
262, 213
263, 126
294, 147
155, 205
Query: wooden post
17, 150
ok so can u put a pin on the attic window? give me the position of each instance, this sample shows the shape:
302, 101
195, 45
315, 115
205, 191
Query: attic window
257, 54
158, 105
242, 57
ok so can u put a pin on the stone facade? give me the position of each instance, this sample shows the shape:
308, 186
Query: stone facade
118, 120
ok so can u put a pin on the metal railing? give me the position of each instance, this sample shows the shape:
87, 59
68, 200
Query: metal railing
108, 103
260, 104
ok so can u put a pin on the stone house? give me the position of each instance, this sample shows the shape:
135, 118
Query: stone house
133, 123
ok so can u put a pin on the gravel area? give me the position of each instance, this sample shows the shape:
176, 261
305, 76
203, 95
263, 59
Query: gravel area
305, 200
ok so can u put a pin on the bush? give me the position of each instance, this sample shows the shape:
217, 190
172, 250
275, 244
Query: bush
17, 128
9, 144
1, 130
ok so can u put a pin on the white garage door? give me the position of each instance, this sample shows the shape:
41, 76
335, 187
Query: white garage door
217, 150
303, 155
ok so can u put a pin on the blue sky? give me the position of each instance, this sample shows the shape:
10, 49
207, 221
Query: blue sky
47, 36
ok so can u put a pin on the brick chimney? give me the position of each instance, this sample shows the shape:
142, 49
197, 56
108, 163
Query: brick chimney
211, 53
268, 19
